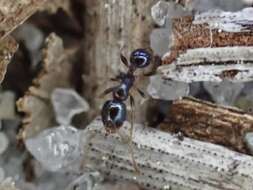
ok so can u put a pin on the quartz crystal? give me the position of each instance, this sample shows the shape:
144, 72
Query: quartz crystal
163, 11
159, 88
33, 39
87, 181
245, 100
12, 159
195, 88
48, 181
158, 37
159, 12
67, 103
56, 147
224, 92
4, 141
249, 141
2, 174
8, 184
31, 36
7, 105
248, 2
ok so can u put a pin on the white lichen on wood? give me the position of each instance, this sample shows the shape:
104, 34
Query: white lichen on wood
211, 46
212, 64
240, 21
166, 162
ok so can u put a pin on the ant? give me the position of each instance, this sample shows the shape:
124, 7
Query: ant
114, 111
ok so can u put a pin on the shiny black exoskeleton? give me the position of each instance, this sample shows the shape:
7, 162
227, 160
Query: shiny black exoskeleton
121, 92
113, 114
114, 111
140, 58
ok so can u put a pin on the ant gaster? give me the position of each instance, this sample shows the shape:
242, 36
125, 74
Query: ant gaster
114, 111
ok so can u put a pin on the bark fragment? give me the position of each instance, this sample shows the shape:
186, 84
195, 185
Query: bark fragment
203, 46
209, 122
36, 103
8, 47
187, 35
13, 13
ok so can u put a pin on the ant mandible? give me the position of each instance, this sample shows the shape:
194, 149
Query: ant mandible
114, 111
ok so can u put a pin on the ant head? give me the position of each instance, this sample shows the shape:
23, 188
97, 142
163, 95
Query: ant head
140, 58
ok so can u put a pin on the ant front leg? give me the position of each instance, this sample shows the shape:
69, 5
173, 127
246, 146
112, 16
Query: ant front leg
157, 62
124, 60
107, 91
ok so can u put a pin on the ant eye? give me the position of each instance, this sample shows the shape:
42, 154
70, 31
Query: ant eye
140, 58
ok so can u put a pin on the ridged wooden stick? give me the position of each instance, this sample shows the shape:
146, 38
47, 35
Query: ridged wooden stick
209, 122
165, 162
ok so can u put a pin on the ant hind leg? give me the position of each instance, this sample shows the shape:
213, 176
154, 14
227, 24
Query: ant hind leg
142, 94
131, 135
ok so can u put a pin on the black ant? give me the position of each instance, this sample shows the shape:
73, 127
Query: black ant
114, 111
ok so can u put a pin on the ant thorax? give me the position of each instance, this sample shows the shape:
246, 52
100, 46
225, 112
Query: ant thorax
122, 91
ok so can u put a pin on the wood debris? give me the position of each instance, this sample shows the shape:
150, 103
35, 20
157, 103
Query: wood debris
8, 47
13, 13
36, 103
204, 45
209, 122
164, 161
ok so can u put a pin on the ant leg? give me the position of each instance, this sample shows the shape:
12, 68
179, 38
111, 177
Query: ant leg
115, 79
131, 135
107, 91
132, 115
157, 62
142, 94
124, 60
119, 77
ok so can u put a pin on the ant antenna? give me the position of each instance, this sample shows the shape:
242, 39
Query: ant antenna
123, 58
